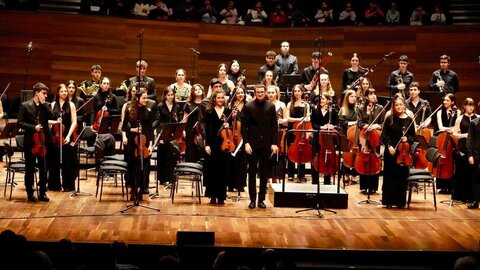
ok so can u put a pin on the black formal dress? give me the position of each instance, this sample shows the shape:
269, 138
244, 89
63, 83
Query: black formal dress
30, 114
216, 164
69, 164
260, 130
239, 162
394, 189
462, 183
166, 157
445, 185
195, 126
473, 150
298, 112
138, 175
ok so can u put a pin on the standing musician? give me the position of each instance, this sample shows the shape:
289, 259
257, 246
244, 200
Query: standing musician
234, 72
324, 117
394, 174
239, 162
269, 66
367, 112
444, 79
226, 84
33, 117
217, 161
259, 132
138, 120
310, 75
180, 87
89, 88
66, 114
141, 68
462, 185
195, 129
78, 102
99, 100
400, 80
352, 73
287, 64
297, 110
473, 154
415, 103
347, 117
168, 113
273, 94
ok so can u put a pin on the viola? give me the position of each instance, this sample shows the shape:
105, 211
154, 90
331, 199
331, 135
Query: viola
141, 149
403, 149
58, 131
227, 140
100, 115
300, 151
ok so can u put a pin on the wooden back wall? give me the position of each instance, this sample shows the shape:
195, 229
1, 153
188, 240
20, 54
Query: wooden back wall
66, 46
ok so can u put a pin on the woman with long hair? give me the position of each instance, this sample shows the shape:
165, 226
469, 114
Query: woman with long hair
347, 117
297, 110
138, 119
325, 89
216, 159
234, 72
273, 95
462, 184
180, 87
268, 79
394, 174
222, 77
168, 113
239, 163
65, 111
195, 128
78, 102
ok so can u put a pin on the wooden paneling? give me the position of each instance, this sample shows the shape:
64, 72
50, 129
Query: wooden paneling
65, 46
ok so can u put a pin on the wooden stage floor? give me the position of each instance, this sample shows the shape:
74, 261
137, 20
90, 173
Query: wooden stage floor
360, 227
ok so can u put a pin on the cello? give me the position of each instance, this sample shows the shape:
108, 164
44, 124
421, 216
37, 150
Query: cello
446, 145
300, 151
326, 161
353, 133
419, 160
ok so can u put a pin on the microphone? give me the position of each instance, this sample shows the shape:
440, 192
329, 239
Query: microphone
330, 54
30, 46
195, 51
389, 54
140, 33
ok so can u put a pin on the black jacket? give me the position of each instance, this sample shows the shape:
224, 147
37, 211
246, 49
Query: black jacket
27, 120
259, 124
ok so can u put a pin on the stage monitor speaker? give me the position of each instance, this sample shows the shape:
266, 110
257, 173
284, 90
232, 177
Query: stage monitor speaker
185, 238
26, 95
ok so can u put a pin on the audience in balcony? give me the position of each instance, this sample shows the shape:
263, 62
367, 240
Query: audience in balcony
230, 14
393, 15
438, 18
142, 8
257, 14
348, 15
374, 15
278, 16
208, 13
418, 16
324, 15
161, 12
295, 17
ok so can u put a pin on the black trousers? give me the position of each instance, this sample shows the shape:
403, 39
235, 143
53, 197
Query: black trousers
258, 160
30, 162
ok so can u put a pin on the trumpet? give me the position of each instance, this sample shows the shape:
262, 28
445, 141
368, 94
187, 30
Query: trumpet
400, 81
439, 79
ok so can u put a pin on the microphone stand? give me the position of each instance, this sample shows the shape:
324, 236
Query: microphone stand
194, 58
76, 143
25, 75
140, 171
60, 143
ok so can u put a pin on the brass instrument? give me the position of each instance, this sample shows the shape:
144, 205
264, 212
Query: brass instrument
123, 86
89, 90
400, 81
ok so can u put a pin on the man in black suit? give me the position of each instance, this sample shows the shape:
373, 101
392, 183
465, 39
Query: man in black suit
149, 81
33, 118
259, 132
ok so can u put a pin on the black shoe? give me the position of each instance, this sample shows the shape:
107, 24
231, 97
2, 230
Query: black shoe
44, 198
473, 205
32, 198
444, 191
221, 202
230, 190
262, 205
242, 189
213, 201
145, 191
251, 205
389, 206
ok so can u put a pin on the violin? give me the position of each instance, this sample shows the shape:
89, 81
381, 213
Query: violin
39, 148
404, 158
367, 162
226, 134
300, 151
100, 115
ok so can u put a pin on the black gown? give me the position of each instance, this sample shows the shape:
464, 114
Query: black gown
462, 184
166, 158
298, 112
238, 165
136, 176
69, 163
447, 121
216, 164
394, 189
193, 152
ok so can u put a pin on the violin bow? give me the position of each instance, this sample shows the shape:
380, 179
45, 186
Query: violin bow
411, 122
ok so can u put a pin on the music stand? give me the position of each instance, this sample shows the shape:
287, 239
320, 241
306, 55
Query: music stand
169, 132
109, 125
76, 143
9, 131
289, 80
330, 142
